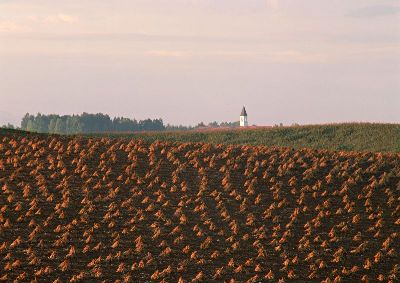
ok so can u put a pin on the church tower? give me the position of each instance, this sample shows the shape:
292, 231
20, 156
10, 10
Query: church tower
243, 118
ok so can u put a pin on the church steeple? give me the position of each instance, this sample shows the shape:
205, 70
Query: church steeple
244, 113
243, 118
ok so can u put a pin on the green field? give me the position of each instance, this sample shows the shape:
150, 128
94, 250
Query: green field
343, 137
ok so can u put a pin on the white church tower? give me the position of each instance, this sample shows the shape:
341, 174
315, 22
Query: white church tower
243, 118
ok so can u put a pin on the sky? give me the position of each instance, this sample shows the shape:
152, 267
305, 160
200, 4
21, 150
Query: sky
186, 61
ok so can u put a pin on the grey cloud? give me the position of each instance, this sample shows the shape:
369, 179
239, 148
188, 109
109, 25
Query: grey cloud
375, 11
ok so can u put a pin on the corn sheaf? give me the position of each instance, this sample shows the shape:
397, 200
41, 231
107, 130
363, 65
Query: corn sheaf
99, 209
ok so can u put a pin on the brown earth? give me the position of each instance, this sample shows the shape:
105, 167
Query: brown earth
109, 210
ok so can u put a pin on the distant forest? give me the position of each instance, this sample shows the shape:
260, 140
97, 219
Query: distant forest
86, 123
101, 123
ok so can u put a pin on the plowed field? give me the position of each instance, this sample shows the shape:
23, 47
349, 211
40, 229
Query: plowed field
112, 210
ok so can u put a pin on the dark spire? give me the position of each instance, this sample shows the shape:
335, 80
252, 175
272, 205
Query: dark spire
244, 113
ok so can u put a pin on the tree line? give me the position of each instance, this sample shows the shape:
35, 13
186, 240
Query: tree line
87, 123
102, 123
